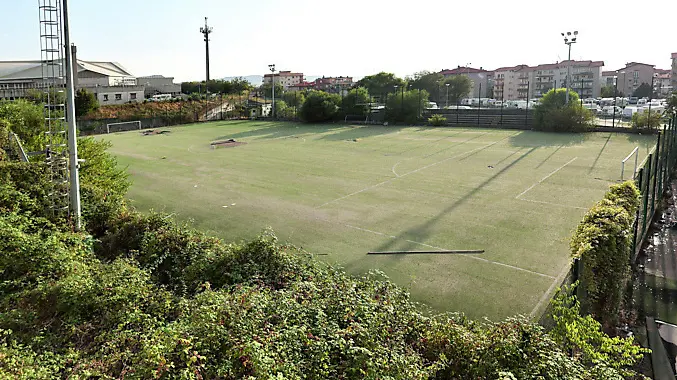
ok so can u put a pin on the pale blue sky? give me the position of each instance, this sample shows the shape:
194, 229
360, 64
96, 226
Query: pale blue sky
348, 37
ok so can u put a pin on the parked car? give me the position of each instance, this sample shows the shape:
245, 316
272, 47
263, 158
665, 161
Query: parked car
629, 111
592, 107
433, 106
609, 111
632, 100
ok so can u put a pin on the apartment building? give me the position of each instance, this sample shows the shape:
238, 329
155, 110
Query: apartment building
333, 85
285, 78
608, 78
633, 75
483, 80
662, 86
506, 81
586, 78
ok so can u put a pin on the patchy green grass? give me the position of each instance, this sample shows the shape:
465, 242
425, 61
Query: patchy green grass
341, 191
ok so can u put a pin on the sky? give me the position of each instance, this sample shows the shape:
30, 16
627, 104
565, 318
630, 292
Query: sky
348, 37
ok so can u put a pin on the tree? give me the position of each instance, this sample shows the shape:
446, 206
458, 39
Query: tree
240, 84
671, 108
643, 91
429, 81
282, 110
459, 88
553, 114
380, 84
355, 102
26, 119
293, 98
85, 102
406, 107
320, 106
267, 90
643, 119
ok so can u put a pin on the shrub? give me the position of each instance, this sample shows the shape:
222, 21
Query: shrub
642, 120
405, 108
554, 115
603, 241
437, 120
320, 106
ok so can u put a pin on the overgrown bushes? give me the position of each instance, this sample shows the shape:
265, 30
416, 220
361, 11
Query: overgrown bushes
644, 120
554, 115
603, 242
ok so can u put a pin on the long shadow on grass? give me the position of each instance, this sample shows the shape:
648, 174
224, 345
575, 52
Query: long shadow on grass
608, 138
423, 231
350, 133
279, 130
531, 139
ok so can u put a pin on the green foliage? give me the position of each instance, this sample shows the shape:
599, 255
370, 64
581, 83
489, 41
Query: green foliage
459, 87
381, 84
282, 110
27, 121
320, 106
294, 98
405, 107
431, 82
610, 92
603, 242
437, 120
218, 86
583, 336
355, 102
85, 102
644, 120
554, 115
643, 91
671, 108
266, 90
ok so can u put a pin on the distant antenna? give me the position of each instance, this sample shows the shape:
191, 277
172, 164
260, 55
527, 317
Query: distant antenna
206, 31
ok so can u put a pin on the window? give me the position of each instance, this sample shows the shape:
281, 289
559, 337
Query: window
132, 96
635, 74
105, 97
118, 96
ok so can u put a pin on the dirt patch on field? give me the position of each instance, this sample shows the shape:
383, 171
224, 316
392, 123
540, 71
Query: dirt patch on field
227, 143
152, 132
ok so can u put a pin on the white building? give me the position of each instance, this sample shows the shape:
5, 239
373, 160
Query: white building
507, 81
109, 81
158, 84
285, 78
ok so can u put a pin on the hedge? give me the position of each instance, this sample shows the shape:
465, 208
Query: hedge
603, 242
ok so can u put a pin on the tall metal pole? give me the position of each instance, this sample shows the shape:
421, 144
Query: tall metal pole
613, 121
272, 70
568, 73
206, 31
75, 206
648, 119
479, 103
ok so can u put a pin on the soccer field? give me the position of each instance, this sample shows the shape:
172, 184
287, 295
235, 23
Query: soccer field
340, 191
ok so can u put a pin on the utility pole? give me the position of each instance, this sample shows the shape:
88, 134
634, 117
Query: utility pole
73, 161
272, 70
206, 31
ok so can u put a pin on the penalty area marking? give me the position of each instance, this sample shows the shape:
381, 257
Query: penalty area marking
544, 178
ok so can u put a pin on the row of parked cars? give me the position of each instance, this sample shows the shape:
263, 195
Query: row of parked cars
623, 107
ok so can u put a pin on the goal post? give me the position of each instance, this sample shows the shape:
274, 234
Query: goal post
124, 126
635, 152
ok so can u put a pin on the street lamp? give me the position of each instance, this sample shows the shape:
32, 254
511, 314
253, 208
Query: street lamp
613, 121
272, 70
569, 40
447, 102
395, 93
648, 119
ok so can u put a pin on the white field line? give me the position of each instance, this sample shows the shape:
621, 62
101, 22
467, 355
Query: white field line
552, 204
544, 178
546, 295
443, 249
393, 169
406, 174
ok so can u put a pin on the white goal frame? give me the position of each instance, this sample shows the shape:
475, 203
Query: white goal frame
137, 122
635, 152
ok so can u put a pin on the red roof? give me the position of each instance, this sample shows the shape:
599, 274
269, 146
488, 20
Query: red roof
283, 74
638, 63
674, 56
661, 71
511, 68
304, 84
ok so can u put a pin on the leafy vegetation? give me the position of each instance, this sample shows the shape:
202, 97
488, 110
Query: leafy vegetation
406, 106
320, 106
85, 102
143, 296
381, 84
643, 91
603, 242
437, 120
554, 115
459, 86
644, 120
355, 102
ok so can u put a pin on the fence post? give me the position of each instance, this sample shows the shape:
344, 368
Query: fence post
640, 175
661, 164
647, 181
656, 174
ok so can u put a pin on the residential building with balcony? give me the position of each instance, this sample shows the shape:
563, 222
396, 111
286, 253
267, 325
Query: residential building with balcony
285, 78
506, 81
662, 85
633, 75
483, 80
334, 85
586, 78
608, 78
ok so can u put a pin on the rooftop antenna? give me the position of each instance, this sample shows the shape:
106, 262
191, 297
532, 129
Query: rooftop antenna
206, 31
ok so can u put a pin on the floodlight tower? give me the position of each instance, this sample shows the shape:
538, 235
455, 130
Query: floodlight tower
206, 31
272, 70
569, 40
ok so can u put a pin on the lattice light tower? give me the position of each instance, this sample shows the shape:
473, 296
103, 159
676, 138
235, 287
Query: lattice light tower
61, 152
206, 31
